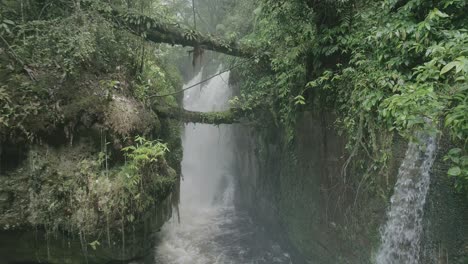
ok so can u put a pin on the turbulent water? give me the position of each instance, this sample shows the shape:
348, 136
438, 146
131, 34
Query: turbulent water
402, 233
211, 228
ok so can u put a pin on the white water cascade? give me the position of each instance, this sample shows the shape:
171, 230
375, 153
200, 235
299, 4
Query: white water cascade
401, 234
211, 230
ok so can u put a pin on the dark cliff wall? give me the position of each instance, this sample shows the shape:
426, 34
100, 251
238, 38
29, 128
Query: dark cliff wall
446, 217
301, 194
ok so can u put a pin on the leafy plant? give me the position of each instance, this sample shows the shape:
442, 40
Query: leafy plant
144, 152
459, 169
384, 67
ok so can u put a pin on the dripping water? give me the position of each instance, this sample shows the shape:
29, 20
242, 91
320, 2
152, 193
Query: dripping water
401, 234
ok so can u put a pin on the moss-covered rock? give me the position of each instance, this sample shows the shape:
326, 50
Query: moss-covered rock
73, 95
67, 194
72, 181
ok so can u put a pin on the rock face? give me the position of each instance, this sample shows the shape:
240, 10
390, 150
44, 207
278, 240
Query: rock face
329, 218
35, 246
446, 217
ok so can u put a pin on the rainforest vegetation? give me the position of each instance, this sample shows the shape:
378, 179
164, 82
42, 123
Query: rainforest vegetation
90, 93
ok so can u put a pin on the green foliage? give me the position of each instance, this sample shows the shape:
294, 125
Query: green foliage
63, 66
416, 75
157, 76
5, 26
145, 174
86, 198
383, 68
51, 49
145, 152
5, 107
284, 35
459, 169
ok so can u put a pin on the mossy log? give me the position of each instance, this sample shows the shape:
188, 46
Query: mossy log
216, 118
160, 31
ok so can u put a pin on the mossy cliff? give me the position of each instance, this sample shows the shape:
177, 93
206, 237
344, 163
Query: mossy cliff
89, 172
75, 194
301, 193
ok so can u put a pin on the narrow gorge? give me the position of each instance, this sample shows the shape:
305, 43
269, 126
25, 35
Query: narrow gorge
233, 132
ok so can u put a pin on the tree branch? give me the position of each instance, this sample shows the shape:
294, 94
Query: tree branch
164, 32
231, 116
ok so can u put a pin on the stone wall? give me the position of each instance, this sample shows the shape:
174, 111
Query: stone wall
446, 217
302, 196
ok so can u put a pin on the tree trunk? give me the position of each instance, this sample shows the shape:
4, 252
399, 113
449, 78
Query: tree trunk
231, 116
165, 32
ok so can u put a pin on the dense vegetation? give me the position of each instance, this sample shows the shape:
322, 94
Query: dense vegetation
381, 66
79, 140
83, 73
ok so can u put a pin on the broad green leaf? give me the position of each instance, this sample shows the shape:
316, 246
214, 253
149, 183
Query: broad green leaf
448, 67
464, 161
7, 21
440, 13
455, 151
454, 171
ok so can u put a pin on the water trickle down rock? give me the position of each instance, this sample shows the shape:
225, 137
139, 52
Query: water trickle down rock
402, 232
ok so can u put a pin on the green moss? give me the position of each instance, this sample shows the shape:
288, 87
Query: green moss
171, 134
67, 189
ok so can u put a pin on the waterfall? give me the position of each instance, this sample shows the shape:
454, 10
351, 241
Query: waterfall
206, 180
208, 150
211, 230
401, 234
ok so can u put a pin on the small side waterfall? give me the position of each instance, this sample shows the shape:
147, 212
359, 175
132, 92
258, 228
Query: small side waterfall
401, 234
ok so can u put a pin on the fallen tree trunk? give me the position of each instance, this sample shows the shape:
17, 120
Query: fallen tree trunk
160, 31
231, 116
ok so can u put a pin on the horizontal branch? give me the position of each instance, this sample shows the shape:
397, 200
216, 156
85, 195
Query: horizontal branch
160, 31
216, 118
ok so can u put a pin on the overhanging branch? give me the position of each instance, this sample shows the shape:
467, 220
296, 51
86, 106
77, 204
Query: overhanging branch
231, 116
165, 32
